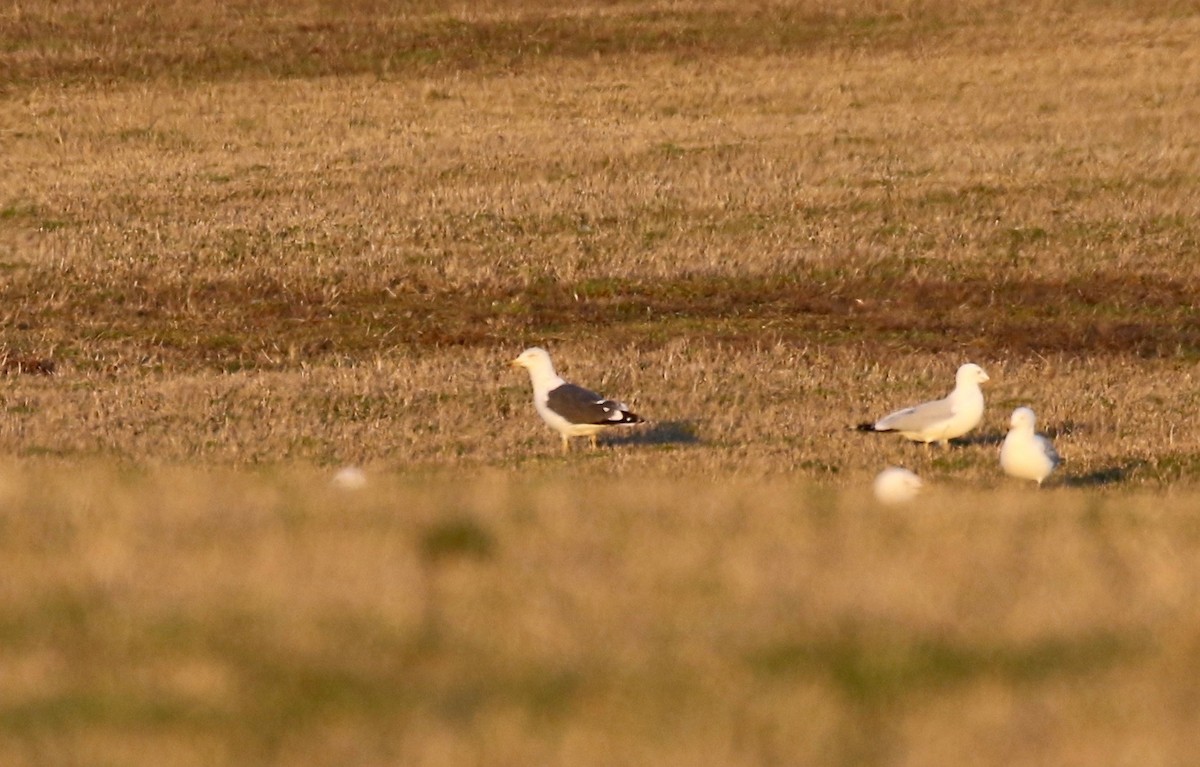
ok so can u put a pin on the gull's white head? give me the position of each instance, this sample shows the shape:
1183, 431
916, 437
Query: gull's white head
534, 358
896, 485
970, 373
1023, 418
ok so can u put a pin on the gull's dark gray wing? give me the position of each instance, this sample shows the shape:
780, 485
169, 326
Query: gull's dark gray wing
581, 406
1048, 449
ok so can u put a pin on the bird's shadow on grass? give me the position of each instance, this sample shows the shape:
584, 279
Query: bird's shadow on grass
659, 433
1109, 475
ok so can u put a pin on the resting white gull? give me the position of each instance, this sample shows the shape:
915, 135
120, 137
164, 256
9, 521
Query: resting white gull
896, 485
1026, 454
941, 420
571, 410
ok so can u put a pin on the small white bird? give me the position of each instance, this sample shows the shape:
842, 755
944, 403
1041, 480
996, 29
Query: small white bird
1026, 454
571, 410
895, 485
944, 419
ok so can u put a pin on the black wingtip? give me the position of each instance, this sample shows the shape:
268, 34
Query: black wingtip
866, 427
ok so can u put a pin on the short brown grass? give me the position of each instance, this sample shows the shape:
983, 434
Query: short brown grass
241, 245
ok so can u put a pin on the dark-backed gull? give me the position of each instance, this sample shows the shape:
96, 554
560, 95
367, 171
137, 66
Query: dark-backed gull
571, 410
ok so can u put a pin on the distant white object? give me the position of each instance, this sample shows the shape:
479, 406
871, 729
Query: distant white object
896, 485
571, 410
1026, 454
944, 419
349, 478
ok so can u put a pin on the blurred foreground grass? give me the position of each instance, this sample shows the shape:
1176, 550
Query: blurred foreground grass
174, 617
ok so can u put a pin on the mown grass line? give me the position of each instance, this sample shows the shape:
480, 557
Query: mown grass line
89, 43
247, 324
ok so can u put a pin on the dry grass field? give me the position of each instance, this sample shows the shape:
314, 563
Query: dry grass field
243, 245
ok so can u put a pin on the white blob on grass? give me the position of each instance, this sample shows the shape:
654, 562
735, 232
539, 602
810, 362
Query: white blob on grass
349, 478
896, 485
